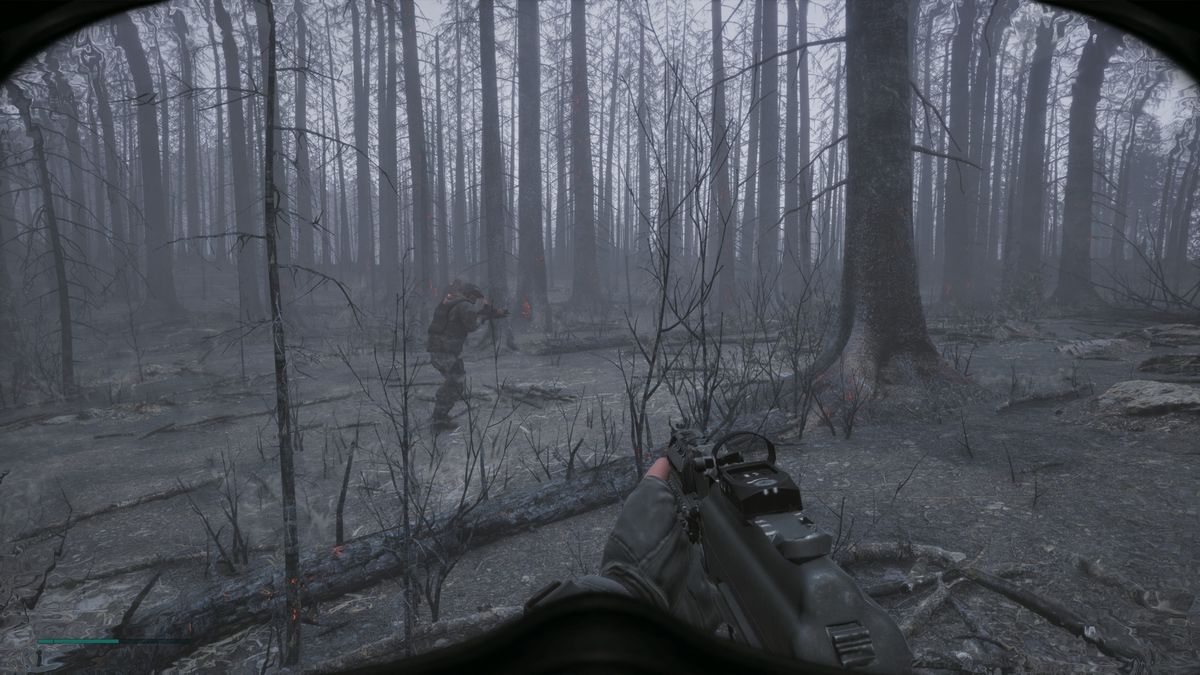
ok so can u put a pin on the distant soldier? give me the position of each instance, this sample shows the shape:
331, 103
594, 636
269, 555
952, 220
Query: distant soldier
455, 318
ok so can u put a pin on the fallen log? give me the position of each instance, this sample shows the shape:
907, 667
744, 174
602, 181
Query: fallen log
115, 506
892, 551
1174, 603
925, 609
215, 419
1058, 614
204, 617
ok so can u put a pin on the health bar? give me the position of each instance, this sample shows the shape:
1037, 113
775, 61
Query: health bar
113, 641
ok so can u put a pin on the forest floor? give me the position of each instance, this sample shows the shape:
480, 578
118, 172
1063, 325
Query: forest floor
1047, 482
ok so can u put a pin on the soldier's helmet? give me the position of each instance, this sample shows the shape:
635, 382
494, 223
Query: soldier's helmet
471, 291
465, 289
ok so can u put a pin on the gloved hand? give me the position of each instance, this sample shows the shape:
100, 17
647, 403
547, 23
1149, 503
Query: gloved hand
648, 556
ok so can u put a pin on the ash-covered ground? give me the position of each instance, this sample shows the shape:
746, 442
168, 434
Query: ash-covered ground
1027, 469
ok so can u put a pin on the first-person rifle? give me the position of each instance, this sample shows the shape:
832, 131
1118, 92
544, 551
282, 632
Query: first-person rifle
779, 589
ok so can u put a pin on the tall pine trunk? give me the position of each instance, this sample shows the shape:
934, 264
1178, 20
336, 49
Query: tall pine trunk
54, 234
283, 416
531, 282
721, 230
190, 177
881, 322
492, 217
248, 293
1023, 245
1075, 263
768, 162
422, 203
585, 287
749, 222
118, 226
389, 171
957, 280
362, 179
459, 210
160, 277
304, 179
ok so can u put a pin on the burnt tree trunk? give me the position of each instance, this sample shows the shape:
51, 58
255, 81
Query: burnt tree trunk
768, 153
118, 226
1023, 244
881, 323
304, 181
390, 235
720, 229
250, 305
362, 178
160, 278
643, 153
531, 282
53, 233
749, 223
418, 154
287, 472
1075, 264
956, 277
492, 216
585, 287
191, 152
459, 210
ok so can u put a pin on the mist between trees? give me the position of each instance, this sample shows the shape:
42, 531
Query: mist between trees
841, 166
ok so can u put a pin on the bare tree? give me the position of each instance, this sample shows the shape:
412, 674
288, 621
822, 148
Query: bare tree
881, 323
1075, 264
531, 282
62, 287
585, 286
1023, 246
250, 306
422, 203
160, 278
283, 407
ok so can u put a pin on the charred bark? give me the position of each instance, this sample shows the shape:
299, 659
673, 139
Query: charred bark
160, 278
585, 287
531, 282
1075, 264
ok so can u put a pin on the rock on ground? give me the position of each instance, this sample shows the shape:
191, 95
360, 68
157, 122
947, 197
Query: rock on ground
1172, 364
1171, 334
1144, 397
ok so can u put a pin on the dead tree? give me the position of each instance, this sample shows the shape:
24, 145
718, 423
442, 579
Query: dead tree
531, 282
881, 322
160, 279
418, 154
956, 277
585, 286
1022, 282
1075, 264
287, 471
721, 214
304, 188
249, 302
24, 107
768, 152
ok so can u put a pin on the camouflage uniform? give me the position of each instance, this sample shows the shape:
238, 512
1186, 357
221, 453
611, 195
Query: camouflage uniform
453, 320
